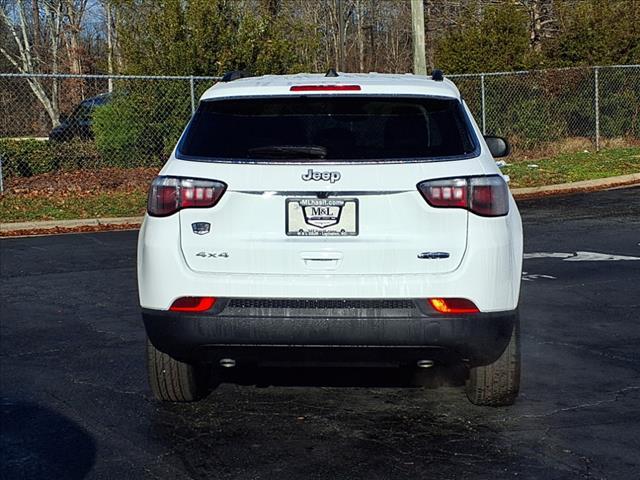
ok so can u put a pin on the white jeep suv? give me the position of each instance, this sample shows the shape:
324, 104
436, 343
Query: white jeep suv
354, 218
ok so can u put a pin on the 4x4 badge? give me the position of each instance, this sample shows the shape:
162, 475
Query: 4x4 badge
317, 176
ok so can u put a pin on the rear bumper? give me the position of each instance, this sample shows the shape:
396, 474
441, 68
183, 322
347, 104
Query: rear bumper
477, 339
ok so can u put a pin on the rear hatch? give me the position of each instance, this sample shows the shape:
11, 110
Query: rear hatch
325, 185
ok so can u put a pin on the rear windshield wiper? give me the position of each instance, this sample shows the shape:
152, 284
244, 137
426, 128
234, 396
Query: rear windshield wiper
288, 151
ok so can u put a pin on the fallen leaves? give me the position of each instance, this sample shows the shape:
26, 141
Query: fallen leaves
78, 183
106, 192
62, 230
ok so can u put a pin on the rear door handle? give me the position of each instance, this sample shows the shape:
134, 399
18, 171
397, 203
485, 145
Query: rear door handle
321, 260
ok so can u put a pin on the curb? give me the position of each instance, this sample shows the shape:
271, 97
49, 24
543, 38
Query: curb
69, 226
131, 223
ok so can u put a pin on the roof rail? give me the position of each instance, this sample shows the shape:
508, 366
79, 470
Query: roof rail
234, 75
437, 75
331, 73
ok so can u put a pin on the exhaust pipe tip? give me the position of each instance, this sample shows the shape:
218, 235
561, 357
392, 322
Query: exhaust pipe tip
425, 363
227, 363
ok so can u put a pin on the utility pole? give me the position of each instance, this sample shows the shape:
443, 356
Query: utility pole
417, 23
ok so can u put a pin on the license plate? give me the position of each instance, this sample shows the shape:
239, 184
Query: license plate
320, 217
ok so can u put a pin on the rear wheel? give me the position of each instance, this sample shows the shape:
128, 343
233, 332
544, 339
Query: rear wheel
498, 383
174, 381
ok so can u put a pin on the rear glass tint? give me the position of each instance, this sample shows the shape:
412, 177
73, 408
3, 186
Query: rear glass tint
330, 128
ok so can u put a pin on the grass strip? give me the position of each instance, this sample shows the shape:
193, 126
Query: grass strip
19, 208
573, 167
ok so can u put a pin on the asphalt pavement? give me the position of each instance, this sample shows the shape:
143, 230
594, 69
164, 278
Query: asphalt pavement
75, 403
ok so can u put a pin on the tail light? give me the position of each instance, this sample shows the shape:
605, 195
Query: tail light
453, 305
170, 194
192, 304
487, 195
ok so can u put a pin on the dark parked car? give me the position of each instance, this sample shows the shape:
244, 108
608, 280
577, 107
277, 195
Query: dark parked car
78, 124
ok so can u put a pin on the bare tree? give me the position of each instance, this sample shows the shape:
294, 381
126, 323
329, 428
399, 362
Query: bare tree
541, 21
395, 47
73, 12
110, 25
26, 57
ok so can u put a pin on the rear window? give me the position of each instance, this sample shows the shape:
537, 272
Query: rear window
328, 128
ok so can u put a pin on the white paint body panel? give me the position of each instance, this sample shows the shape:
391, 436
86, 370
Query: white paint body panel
370, 83
395, 225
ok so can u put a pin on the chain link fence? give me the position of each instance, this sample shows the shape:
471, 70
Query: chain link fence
537, 110
53, 123
59, 123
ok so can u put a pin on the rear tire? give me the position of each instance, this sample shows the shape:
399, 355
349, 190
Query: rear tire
498, 383
174, 381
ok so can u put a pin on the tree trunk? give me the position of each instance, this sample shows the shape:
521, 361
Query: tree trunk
341, 35
74, 13
535, 40
429, 35
109, 20
360, 35
37, 31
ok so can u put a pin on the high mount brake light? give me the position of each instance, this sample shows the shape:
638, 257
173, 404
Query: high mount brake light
192, 304
170, 194
453, 305
325, 88
487, 196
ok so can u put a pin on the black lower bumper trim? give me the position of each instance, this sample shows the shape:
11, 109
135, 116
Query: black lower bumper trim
477, 338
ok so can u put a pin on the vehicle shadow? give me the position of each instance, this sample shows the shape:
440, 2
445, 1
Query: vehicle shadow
380, 377
351, 423
38, 443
